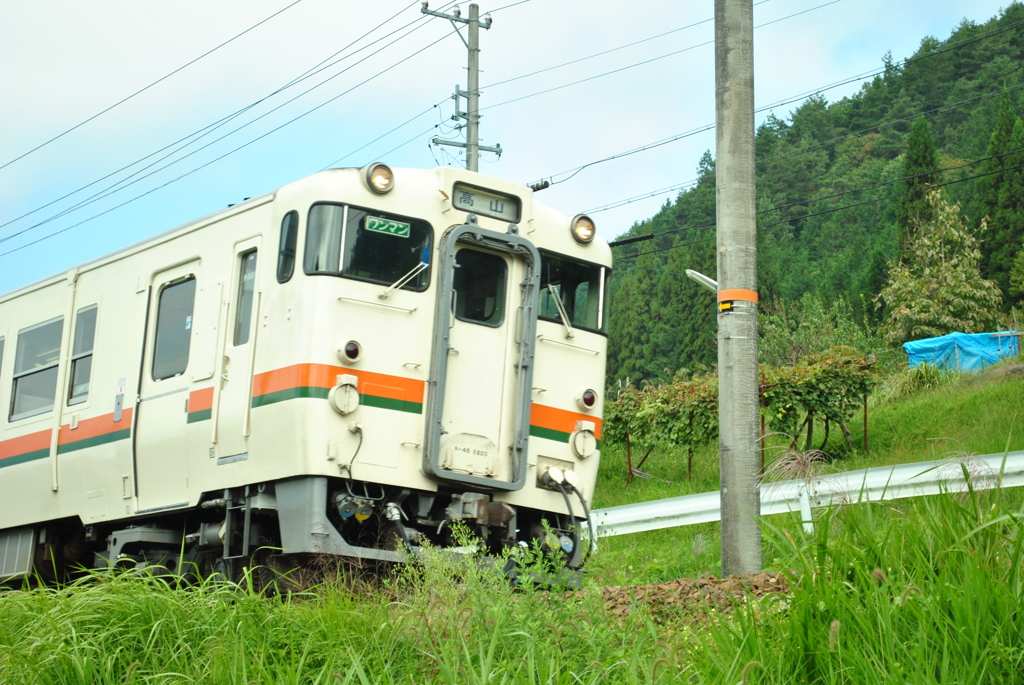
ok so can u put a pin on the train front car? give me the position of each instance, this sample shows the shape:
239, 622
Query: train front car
356, 364
456, 329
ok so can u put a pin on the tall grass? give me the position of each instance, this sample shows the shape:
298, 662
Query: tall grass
926, 591
920, 591
438, 621
929, 592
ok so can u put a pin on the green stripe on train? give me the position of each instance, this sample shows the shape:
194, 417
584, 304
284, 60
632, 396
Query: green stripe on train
26, 457
550, 434
322, 393
203, 415
94, 441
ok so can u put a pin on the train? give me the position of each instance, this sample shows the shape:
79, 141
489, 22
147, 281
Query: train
358, 365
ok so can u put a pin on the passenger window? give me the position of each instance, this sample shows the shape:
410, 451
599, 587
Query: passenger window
480, 287
35, 369
173, 329
286, 250
368, 245
81, 355
246, 289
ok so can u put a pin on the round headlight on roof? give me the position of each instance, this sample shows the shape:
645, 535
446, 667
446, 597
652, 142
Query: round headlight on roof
379, 178
582, 229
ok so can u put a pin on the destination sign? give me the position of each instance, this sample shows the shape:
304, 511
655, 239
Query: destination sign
486, 203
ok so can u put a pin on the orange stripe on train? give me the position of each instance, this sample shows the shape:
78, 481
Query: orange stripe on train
94, 427
543, 416
325, 376
200, 400
33, 442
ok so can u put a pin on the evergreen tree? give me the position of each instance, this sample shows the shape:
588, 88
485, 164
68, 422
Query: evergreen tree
999, 143
629, 338
874, 280
938, 288
1007, 224
919, 161
1017, 275
989, 185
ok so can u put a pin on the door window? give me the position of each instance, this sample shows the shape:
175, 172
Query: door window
81, 355
480, 287
173, 329
246, 289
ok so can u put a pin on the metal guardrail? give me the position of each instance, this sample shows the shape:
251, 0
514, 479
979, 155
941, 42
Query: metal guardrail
848, 487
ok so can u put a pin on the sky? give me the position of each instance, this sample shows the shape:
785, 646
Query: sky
62, 62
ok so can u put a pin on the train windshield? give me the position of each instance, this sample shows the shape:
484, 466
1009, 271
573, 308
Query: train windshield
368, 245
578, 286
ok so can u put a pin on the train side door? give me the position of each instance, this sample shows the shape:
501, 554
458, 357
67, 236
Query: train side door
160, 431
234, 397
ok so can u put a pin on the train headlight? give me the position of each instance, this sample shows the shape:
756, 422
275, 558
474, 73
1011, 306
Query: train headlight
582, 229
379, 178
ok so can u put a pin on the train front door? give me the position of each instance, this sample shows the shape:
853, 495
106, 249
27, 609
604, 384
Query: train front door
476, 403
482, 359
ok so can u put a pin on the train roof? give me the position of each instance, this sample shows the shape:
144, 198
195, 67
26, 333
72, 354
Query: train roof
245, 205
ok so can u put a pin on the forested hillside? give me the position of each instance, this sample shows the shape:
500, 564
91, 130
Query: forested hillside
843, 189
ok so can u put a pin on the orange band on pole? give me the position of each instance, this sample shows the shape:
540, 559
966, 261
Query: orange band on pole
737, 294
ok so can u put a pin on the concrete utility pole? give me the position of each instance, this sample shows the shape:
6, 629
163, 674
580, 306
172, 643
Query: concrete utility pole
472, 113
738, 405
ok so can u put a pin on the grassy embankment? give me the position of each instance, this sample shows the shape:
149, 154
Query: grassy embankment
937, 417
920, 591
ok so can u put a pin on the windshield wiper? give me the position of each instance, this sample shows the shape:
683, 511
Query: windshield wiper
424, 263
569, 333
403, 280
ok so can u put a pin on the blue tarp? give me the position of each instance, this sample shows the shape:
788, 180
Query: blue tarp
963, 351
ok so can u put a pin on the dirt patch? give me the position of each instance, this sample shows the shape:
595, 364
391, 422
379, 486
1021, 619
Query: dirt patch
1002, 373
694, 599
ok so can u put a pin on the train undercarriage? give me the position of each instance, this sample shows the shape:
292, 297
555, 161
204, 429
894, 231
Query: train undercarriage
273, 531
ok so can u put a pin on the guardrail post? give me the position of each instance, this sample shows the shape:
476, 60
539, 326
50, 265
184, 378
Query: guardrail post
805, 510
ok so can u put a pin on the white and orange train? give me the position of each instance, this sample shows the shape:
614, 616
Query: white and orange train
352, 365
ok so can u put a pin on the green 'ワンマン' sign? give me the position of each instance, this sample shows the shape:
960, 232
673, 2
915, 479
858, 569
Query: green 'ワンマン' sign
379, 225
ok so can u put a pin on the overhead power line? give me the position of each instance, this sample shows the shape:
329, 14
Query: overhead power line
201, 133
447, 4
125, 182
644, 62
143, 90
832, 141
550, 180
217, 159
831, 209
